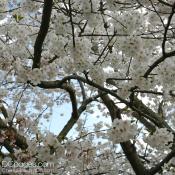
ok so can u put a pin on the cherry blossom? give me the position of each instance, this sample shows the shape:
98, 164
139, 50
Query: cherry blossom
111, 62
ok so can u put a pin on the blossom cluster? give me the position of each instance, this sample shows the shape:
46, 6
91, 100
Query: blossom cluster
101, 49
160, 139
121, 131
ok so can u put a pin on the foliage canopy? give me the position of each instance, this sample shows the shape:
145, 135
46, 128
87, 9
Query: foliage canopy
111, 56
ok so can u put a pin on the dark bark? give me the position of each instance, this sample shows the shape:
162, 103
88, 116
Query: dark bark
47, 9
128, 148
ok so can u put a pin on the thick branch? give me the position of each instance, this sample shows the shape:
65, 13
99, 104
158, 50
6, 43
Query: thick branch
128, 148
72, 24
3, 110
165, 3
47, 9
159, 166
74, 116
149, 114
137, 106
20, 140
158, 61
151, 127
73, 120
75, 112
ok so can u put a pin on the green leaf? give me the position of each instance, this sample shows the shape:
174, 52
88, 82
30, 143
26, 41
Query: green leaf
18, 17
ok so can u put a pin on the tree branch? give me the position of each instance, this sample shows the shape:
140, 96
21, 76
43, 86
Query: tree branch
128, 148
73, 120
74, 116
20, 140
149, 114
164, 54
151, 127
166, 30
159, 166
47, 9
137, 106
